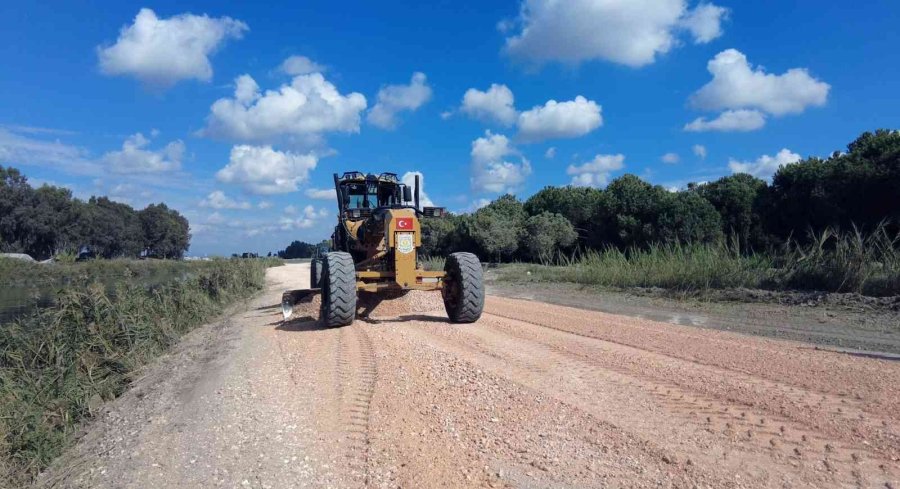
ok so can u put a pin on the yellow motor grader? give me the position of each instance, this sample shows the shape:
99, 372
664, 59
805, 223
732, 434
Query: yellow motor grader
375, 245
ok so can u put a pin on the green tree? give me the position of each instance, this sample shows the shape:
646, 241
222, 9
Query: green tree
629, 210
687, 217
737, 199
546, 234
577, 204
110, 229
166, 233
857, 188
15, 193
49, 224
440, 236
497, 227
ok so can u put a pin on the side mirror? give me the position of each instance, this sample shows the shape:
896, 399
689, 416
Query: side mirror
407, 194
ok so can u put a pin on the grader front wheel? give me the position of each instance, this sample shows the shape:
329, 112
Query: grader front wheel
463, 290
338, 290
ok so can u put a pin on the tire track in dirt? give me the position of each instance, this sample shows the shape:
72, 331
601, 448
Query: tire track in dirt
875, 383
685, 422
357, 375
841, 417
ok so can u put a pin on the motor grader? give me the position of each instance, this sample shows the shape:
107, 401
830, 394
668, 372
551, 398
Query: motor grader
375, 250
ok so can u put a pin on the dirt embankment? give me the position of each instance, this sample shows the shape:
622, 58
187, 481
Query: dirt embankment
532, 395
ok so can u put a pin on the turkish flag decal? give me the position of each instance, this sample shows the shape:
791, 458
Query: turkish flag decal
405, 223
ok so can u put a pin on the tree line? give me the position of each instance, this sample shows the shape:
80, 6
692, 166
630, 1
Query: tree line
857, 189
302, 249
46, 221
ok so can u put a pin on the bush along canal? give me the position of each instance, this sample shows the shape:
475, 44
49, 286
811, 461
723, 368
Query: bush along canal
82, 337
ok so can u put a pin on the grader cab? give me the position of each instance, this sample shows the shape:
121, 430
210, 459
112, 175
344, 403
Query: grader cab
376, 244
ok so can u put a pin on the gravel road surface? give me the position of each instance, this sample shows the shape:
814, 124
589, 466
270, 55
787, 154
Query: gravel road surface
533, 395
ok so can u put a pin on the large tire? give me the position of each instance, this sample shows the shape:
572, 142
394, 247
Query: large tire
463, 289
315, 273
338, 290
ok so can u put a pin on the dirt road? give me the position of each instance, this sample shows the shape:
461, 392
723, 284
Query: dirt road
533, 395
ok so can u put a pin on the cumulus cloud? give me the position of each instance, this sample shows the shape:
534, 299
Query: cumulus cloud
595, 173
304, 109
699, 151
218, 200
162, 52
738, 85
17, 149
310, 216
764, 166
670, 158
300, 65
629, 32
729, 121
550, 153
497, 104
320, 193
397, 98
263, 170
705, 22
409, 178
135, 158
491, 169
560, 119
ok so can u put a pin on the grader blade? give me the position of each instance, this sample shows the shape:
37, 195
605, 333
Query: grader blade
292, 297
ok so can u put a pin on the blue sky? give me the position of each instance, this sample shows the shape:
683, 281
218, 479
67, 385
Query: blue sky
192, 103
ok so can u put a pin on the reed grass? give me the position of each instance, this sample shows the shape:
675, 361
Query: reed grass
59, 364
831, 262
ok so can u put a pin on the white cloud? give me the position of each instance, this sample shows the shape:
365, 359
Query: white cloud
264, 204
705, 22
497, 104
764, 166
700, 151
134, 158
300, 65
218, 200
396, 98
560, 119
291, 210
670, 158
309, 218
629, 32
16, 149
215, 218
409, 178
550, 153
263, 170
320, 193
596, 173
306, 108
738, 85
164, 51
728, 121
491, 170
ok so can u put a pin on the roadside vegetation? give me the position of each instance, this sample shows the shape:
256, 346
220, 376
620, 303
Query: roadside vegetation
832, 262
59, 363
47, 222
822, 224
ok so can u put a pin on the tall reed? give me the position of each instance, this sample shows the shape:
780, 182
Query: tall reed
59, 364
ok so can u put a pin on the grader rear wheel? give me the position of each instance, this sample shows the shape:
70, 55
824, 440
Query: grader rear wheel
463, 290
338, 290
